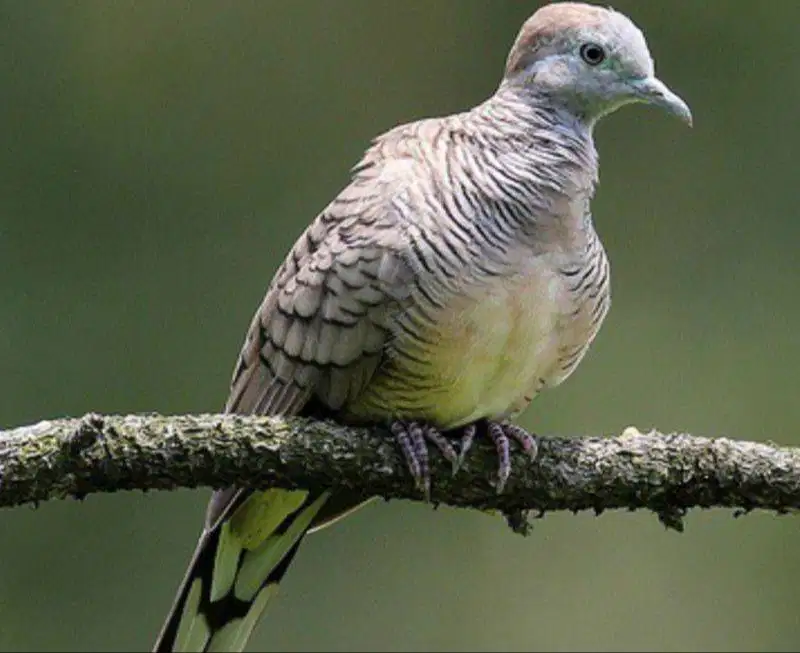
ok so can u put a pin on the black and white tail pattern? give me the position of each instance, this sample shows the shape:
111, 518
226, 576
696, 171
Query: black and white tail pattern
236, 569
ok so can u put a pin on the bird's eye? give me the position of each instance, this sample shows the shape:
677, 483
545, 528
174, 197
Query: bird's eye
593, 54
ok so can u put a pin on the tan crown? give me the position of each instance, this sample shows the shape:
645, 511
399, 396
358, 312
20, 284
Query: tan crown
548, 23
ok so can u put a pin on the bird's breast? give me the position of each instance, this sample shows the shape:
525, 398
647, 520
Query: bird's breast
484, 351
499, 342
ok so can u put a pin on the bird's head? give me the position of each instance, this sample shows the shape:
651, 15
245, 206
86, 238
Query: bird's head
590, 59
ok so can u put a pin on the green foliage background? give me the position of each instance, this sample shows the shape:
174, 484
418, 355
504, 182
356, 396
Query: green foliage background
158, 159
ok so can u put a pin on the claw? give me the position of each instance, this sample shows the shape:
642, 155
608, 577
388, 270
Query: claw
525, 439
501, 433
403, 437
423, 481
435, 437
501, 443
413, 439
467, 436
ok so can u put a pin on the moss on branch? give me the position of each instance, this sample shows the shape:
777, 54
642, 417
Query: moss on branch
665, 473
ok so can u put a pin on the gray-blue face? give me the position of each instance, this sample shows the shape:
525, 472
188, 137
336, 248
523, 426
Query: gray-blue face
596, 66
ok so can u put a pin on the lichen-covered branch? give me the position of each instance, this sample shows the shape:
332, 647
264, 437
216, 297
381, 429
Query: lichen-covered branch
666, 473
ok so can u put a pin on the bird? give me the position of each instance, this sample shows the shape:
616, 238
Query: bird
456, 276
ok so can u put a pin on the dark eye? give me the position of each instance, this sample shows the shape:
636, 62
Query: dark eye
592, 53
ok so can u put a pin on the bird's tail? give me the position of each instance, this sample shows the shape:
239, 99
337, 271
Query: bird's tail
239, 561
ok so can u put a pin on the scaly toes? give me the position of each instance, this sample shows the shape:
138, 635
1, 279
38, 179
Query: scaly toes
521, 436
501, 433
440, 441
467, 436
413, 439
408, 436
501, 443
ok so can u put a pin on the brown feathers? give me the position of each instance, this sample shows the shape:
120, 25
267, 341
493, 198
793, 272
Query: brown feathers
547, 24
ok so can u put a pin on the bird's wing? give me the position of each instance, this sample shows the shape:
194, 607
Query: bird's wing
320, 331
322, 328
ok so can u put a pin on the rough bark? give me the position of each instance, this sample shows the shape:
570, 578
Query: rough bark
665, 473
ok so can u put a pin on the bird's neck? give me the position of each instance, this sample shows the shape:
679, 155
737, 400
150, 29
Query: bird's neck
546, 154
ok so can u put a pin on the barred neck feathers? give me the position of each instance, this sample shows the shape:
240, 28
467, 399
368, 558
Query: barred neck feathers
509, 175
536, 165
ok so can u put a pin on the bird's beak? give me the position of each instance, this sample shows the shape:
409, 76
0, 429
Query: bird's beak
652, 90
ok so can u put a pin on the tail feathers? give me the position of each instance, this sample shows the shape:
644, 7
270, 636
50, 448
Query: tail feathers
236, 569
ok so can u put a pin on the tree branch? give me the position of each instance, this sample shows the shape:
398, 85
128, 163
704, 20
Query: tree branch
667, 474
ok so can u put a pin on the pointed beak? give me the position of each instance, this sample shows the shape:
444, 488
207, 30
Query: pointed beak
653, 91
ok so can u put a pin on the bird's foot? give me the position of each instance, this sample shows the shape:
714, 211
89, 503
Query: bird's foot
413, 438
501, 434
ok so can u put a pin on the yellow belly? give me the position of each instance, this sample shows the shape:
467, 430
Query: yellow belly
486, 354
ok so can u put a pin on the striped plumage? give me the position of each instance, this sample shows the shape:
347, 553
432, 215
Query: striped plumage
483, 203
453, 278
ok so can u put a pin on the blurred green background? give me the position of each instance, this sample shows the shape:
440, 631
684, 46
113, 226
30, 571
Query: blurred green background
158, 160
